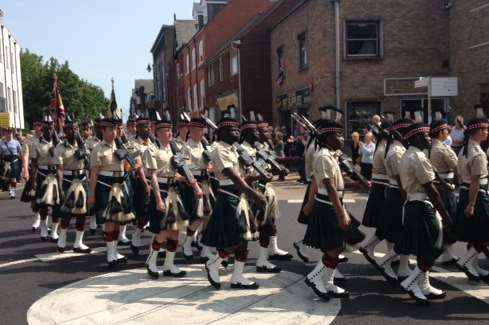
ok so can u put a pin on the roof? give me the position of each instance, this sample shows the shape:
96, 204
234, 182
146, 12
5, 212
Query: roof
160, 38
184, 30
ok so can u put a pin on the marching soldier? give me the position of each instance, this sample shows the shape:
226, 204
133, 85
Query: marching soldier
71, 158
422, 234
230, 226
472, 218
328, 219
444, 161
390, 222
131, 127
47, 186
11, 153
182, 130
165, 210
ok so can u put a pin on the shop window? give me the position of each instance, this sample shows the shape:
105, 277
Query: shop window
360, 115
303, 56
363, 39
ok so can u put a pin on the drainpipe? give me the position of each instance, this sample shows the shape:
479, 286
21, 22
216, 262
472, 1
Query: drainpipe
338, 52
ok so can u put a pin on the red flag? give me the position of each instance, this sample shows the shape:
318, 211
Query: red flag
57, 102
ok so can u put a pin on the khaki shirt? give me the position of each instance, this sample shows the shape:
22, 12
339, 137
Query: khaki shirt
29, 145
326, 166
309, 159
415, 171
104, 157
65, 155
378, 166
91, 143
442, 157
475, 164
179, 142
224, 156
393, 158
194, 152
159, 160
138, 146
42, 152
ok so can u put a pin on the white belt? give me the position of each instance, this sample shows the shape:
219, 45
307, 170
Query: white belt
111, 173
164, 180
380, 177
323, 201
393, 183
417, 197
322, 191
73, 172
447, 175
196, 172
225, 182
46, 167
228, 193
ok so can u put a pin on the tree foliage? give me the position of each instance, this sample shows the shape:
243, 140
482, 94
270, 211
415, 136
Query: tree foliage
80, 97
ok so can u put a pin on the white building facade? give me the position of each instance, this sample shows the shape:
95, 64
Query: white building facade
10, 78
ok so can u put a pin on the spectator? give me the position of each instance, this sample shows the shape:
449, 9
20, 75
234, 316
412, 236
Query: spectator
458, 134
355, 147
376, 120
367, 150
279, 146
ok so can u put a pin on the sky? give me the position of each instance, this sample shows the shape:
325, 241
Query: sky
100, 39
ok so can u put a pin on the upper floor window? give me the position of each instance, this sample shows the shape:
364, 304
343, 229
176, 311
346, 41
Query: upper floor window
201, 51
363, 39
178, 70
210, 75
221, 69
193, 59
303, 55
234, 68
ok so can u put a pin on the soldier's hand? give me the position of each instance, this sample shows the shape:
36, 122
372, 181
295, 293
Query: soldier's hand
25, 175
160, 206
307, 210
344, 221
469, 211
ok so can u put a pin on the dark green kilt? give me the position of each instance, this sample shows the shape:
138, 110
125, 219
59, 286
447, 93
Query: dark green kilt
450, 201
67, 179
420, 233
139, 199
15, 168
157, 220
390, 221
323, 230
476, 228
102, 194
302, 218
376, 199
225, 228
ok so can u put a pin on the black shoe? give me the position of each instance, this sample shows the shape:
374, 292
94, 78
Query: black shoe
112, 265
419, 301
216, 285
323, 295
180, 274
44, 239
188, 257
83, 251
225, 263
93, 231
436, 297
204, 260
469, 275
196, 244
277, 257
264, 269
60, 249
343, 295
368, 257
135, 249
401, 279
304, 258
122, 260
34, 229
453, 261
343, 259
124, 243
152, 274
252, 286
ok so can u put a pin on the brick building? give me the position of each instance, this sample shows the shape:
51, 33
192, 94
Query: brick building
384, 46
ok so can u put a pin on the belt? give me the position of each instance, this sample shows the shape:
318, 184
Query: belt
165, 180
47, 168
417, 197
393, 183
466, 186
228, 193
380, 177
10, 158
449, 175
75, 172
202, 172
225, 182
109, 173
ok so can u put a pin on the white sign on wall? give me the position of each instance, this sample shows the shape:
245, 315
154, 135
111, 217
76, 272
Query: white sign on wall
440, 87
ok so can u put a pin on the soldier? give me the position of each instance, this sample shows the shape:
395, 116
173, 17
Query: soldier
47, 186
71, 158
230, 226
201, 208
444, 161
164, 207
182, 130
390, 222
328, 219
131, 127
11, 153
422, 234
471, 222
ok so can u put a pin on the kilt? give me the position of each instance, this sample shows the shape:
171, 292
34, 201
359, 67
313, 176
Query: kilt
172, 218
74, 204
302, 218
390, 225
139, 200
227, 227
422, 233
323, 230
476, 228
47, 188
120, 209
12, 168
450, 202
267, 217
376, 199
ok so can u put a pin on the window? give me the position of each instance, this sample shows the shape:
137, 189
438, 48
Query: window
202, 93
187, 64
189, 100
178, 70
363, 39
360, 114
193, 58
210, 75
221, 69
234, 63
201, 51
196, 103
303, 58
281, 66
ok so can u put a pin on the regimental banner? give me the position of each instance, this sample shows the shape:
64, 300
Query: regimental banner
5, 119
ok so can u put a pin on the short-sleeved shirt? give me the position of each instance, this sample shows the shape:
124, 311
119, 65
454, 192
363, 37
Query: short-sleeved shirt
104, 157
65, 155
224, 156
442, 157
309, 159
415, 170
138, 146
180, 142
42, 152
326, 166
28, 145
378, 165
10, 148
393, 159
367, 152
159, 160
194, 152
475, 164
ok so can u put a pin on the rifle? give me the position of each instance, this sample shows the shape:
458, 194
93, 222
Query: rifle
82, 152
205, 142
122, 152
178, 162
248, 162
277, 168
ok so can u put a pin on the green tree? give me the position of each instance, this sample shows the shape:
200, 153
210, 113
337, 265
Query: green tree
80, 97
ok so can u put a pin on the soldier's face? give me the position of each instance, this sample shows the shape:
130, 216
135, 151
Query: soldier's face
196, 133
425, 141
483, 134
86, 132
109, 133
183, 131
69, 132
165, 135
335, 141
143, 130
131, 128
